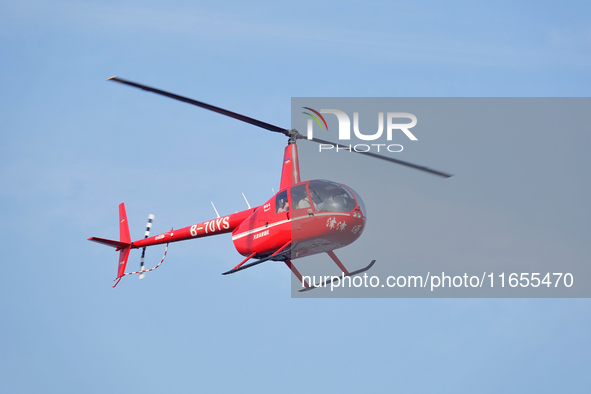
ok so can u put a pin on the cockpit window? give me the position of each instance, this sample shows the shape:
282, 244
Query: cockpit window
299, 197
281, 203
331, 197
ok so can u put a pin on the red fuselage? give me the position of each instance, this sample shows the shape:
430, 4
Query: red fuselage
316, 216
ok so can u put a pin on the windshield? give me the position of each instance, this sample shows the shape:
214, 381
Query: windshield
359, 200
331, 197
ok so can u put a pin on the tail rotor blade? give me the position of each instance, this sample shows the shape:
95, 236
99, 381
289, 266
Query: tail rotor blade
146, 235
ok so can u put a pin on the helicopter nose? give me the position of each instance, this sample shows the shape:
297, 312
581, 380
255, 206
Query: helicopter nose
360, 208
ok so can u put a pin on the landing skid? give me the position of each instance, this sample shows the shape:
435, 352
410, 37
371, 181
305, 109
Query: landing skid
334, 258
285, 251
323, 284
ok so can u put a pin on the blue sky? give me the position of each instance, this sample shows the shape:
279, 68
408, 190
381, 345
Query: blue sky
75, 146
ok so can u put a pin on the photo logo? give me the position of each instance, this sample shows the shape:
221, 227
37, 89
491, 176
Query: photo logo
394, 123
316, 119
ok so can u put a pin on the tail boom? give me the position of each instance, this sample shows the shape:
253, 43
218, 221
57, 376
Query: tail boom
224, 224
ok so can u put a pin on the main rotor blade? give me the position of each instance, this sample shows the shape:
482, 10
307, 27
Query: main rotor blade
201, 104
404, 163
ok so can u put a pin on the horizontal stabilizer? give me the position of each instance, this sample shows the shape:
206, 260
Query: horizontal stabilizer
109, 242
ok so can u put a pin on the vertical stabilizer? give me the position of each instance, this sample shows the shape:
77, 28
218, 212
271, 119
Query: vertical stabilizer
123, 225
124, 237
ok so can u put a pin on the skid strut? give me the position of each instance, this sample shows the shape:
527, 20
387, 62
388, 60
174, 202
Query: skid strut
339, 264
297, 274
282, 251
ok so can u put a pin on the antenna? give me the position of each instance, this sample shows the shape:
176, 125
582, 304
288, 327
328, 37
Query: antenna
246, 200
216, 211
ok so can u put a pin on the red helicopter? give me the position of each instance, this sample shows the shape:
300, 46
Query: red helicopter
301, 219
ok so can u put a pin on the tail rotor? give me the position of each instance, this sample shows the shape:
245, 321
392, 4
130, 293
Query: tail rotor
147, 234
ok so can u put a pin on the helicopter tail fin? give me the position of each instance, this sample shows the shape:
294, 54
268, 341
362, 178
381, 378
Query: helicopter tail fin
123, 245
